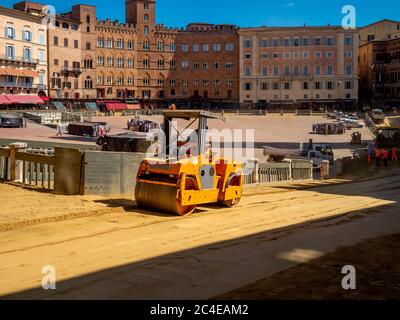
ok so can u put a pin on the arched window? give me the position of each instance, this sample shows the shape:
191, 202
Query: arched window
88, 63
146, 81
160, 81
131, 80
88, 19
88, 83
146, 62
146, 30
146, 17
88, 46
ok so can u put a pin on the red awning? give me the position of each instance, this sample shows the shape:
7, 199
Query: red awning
108, 101
4, 100
44, 98
24, 99
116, 106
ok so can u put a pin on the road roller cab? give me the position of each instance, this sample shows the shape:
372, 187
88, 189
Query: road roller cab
178, 185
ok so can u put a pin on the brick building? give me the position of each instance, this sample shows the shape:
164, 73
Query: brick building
380, 30
23, 53
380, 72
149, 62
299, 67
207, 64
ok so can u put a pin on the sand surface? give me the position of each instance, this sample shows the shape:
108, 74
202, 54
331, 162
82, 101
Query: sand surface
116, 251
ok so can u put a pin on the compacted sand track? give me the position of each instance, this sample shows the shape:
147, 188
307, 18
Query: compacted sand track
119, 252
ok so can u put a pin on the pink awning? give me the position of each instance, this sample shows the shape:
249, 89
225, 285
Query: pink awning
135, 106
24, 99
108, 101
116, 106
4, 100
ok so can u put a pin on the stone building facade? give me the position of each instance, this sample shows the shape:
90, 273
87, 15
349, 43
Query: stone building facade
71, 51
23, 53
380, 72
299, 67
147, 61
380, 30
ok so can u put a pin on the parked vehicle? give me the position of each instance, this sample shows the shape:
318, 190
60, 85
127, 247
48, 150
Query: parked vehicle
378, 115
11, 121
316, 153
92, 129
351, 123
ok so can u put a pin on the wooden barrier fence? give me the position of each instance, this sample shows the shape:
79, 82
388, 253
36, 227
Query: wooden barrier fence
60, 170
258, 173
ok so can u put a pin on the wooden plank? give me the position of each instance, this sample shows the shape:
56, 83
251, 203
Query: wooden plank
30, 172
49, 170
37, 158
42, 173
36, 174
24, 172
4, 152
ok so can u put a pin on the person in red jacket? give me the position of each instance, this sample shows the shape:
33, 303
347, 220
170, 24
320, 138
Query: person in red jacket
378, 157
385, 157
394, 155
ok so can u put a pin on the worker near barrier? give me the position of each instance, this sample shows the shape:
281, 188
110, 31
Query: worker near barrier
385, 157
378, 157
394, 154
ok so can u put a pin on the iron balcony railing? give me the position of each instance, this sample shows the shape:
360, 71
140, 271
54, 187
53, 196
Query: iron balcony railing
23, 85
67, 70
18, 59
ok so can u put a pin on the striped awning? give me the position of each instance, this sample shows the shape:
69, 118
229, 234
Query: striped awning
59, 105
91, 105
24, 99
4, 100
116, 106
18, 72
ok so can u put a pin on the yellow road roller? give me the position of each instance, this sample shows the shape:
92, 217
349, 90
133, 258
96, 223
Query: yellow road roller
176, 184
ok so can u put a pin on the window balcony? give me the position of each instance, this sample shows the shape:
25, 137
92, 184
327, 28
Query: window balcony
17, 85
66, 71
19, 60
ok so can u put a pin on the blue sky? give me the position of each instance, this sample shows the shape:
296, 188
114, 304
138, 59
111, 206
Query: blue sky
178, 13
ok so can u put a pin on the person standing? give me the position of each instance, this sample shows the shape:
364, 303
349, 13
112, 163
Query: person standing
59, 133
394, 154
378, 157
370, 151
385, 157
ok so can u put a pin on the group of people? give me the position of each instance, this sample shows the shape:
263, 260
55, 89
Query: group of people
381, 155
329, 128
